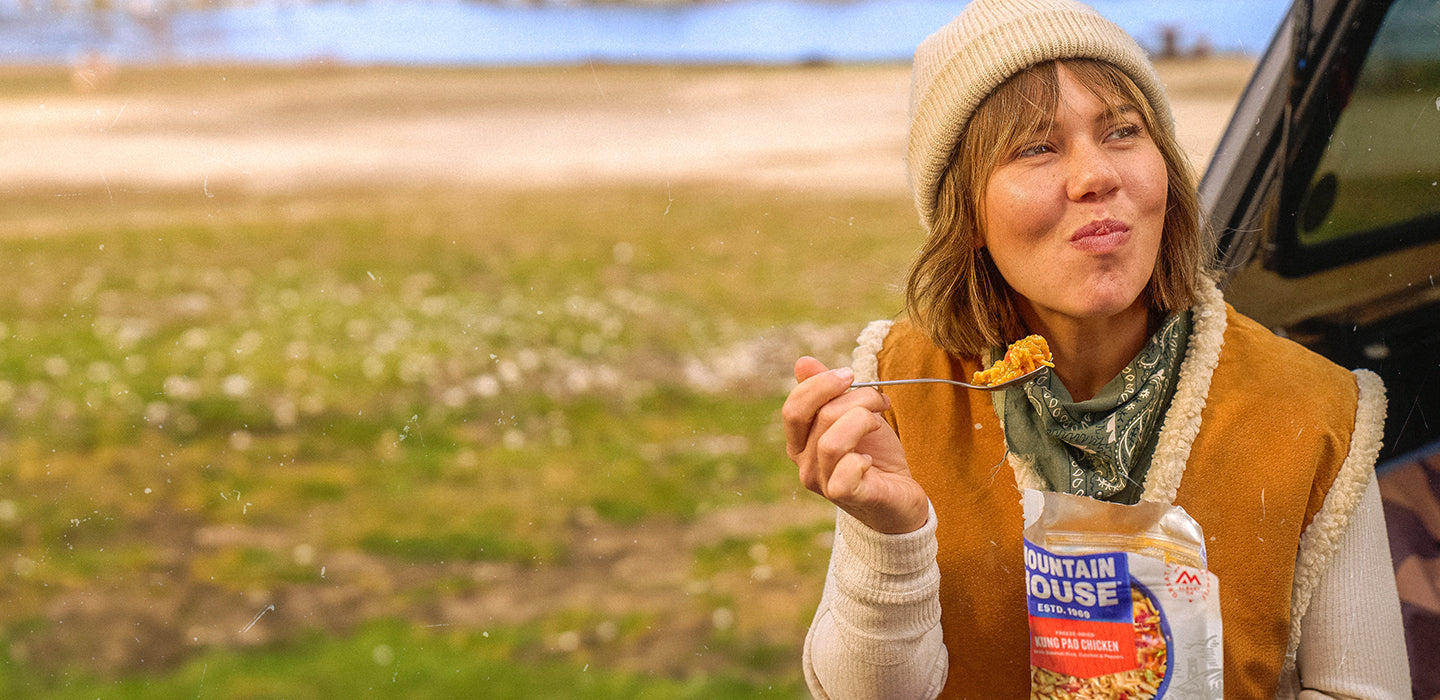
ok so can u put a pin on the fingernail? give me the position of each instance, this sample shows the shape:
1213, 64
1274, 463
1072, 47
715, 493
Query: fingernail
845, 374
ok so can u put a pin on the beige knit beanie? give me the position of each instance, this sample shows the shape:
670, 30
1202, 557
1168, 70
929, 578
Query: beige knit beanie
957, 67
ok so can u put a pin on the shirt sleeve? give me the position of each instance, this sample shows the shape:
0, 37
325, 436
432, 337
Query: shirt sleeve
877, 632
1352, 640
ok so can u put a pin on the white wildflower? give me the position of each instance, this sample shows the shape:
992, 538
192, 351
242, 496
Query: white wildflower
236, 386
157, 411
349, 294
453, 397
56, 366
312, 404
382, 655
560, 436
759, 553
414, 368
249, 342
181, 387
192, 304
297, 350
513, 439
385, 343
195, 338
357, 329
485, 386
622, 253
214, 278
568, 641
100, 372
431, 307
607, 631
373, 367
577, 380
130, 332
241, 440
285, 413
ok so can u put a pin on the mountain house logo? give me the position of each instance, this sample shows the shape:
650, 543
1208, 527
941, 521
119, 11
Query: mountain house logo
1186, 583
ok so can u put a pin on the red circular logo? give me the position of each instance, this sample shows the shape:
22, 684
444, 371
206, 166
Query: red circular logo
1186, 583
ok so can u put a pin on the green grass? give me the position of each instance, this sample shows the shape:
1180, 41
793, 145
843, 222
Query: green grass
376, 411
388, 659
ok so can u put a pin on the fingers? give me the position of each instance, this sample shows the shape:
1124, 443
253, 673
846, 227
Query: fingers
818, 400
841, 438
807, 367
846, 483
831, 465
816, 386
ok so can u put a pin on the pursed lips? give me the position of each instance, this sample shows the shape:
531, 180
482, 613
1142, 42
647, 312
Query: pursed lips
1100, 236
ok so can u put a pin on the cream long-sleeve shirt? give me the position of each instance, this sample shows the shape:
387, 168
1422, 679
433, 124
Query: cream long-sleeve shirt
876, 633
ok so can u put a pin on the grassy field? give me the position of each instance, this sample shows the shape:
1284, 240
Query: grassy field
418, 443
274, 425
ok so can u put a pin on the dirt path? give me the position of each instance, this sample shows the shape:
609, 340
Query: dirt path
207, 129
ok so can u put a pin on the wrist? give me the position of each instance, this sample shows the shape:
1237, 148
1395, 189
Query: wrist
890, 553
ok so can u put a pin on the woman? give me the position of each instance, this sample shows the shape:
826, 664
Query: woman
1045, 169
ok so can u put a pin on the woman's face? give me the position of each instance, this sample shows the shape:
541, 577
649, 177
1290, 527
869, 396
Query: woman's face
1073, 217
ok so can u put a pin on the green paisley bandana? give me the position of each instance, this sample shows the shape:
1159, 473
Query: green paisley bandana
1101, 447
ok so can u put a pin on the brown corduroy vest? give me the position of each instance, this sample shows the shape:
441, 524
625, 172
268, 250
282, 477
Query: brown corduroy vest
1274, 430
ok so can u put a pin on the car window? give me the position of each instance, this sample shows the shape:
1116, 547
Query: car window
1379, 175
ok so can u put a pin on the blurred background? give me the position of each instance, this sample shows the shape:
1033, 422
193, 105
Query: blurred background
432, 349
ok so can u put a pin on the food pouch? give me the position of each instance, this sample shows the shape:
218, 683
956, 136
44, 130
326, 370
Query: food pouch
1121, 605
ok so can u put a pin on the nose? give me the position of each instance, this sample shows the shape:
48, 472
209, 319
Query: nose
1093, 173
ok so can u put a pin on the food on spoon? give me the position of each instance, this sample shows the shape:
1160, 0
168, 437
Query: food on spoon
1022, 356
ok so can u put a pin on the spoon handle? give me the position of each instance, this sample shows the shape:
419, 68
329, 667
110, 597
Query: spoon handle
890, 382
978, 387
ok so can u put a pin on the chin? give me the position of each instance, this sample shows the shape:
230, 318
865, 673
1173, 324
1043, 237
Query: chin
1111, 303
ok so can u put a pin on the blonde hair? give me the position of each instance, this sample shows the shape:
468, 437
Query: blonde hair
954, 291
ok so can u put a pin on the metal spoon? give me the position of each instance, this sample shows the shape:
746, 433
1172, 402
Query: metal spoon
978, 387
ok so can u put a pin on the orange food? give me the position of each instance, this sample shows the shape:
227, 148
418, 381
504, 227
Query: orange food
1022, 356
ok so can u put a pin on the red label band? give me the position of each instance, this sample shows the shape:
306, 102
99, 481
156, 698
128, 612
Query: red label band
1081, 648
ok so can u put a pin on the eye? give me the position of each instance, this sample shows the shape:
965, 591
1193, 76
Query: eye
1034, 150
1125, 131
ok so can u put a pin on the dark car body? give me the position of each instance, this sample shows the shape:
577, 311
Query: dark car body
1325, 190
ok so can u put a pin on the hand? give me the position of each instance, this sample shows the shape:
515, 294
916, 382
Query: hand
846, 451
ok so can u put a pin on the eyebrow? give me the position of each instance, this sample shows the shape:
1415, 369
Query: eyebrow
1121, 108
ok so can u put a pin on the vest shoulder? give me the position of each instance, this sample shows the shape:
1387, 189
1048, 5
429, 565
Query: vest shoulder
1257, 352
908, 352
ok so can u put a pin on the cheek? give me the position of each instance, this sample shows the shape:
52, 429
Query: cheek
1010, 210
1155, 184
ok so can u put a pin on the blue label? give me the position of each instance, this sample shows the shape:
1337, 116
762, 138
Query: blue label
1093, 587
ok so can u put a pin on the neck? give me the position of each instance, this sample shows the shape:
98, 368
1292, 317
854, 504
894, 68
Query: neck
1089, 352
